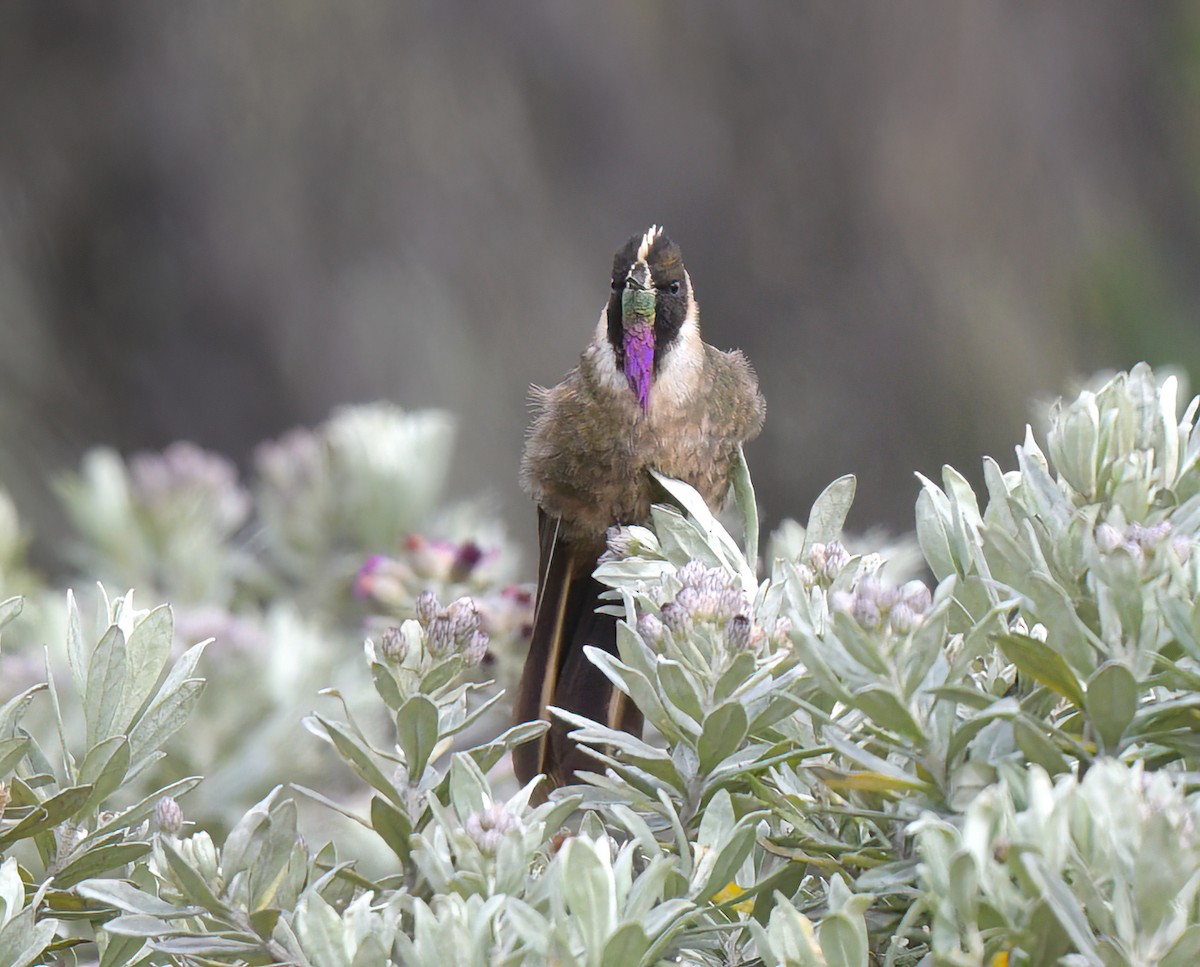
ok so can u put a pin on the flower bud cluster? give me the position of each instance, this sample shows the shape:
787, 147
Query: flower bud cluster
451, 630
391, 581
712, 598
823, 563
1141, 542
489, 826
709, 596
874, 606
187, 480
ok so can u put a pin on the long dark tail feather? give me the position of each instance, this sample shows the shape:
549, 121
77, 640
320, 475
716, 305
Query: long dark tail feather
557, 672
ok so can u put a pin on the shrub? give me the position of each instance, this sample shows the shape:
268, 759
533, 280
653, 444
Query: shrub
844, 768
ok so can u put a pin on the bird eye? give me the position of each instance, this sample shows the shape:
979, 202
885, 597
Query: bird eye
674, 288
617, 284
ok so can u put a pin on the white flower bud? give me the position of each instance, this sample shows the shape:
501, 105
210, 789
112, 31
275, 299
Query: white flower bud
737, 632
916, 596
866, 612
464, 619
440, 637
842, 601
1134, 550
427, 607
869, 589
488, 827
392, 646
817, 557
836, 558
691, 574
903, 619
676, 618
168, 817
650, 627
476, 648
1108, 538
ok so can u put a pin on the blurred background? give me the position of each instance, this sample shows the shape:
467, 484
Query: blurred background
219, 221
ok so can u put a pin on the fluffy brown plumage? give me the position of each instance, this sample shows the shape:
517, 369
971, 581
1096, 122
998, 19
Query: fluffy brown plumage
586, 460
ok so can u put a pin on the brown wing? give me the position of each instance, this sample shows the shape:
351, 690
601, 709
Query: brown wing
557, 671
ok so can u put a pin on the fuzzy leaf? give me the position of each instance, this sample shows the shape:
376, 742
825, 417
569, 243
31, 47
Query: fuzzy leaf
417, 733
1112, 700
1043, 664
724, 730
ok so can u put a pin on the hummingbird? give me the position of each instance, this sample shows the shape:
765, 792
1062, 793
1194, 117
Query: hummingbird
648, 394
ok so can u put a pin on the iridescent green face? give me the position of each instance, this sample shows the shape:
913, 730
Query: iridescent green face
637, 304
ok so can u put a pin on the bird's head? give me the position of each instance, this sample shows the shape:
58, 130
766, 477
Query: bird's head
650, 302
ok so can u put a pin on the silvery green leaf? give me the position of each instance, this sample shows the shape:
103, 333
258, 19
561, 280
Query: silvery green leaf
679, 687
589, 890
469, 791
139, 925
998, 508
393, 826
12, 890
1074, 442
934, 528
860, 645
206, 946
486, 756
11, 752
24, 940
1032, 740
875, 764
829, 510
626, 947
972, 725
843, 940
1111, 701
191, 882
125, 896
120, 951
417, 732
105, 767
1044, 665
105, 681
788, 938
634, 652
722, 844
95, 862
358, 758
166, 716
743, 492
1185, 951
741, 667
12, 711
76, 650
10, 608
630, 570
724, 730
887, 710
146, 653
713, 535
320, 931
48, 814
130, 817
636, 686
595, 734
1065, 908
